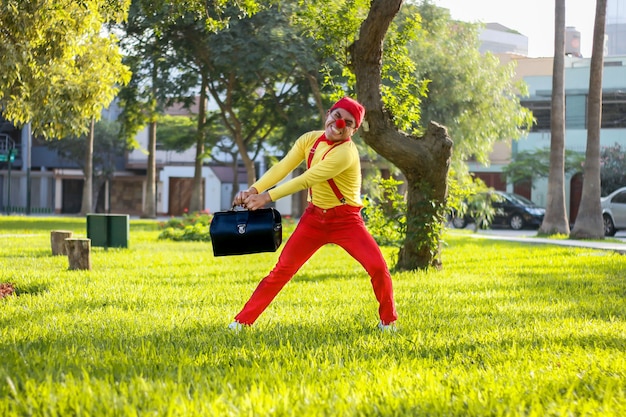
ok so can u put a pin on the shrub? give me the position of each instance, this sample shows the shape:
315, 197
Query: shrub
385, 212
612, 168
191, 227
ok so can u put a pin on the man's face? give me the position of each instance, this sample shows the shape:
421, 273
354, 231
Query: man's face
340, 125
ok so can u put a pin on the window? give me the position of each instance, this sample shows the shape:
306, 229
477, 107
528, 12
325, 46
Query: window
575, 111
541, 112
620, 198
614, 110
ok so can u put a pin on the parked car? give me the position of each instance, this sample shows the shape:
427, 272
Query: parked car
614, 211
511, 210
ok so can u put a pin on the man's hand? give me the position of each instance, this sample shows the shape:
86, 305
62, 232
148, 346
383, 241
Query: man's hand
241, 196
251, 199
256, 201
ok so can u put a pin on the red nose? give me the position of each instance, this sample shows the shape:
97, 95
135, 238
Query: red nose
340, 123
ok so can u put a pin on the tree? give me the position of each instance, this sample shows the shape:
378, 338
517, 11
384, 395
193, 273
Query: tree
424, 161
555, 220
424, 155
396, 94
613, 168
87, 200
589, 223
153, 26
107, 146
531, 165
58, 71
177, 133
251, 71
147, 94
474, 95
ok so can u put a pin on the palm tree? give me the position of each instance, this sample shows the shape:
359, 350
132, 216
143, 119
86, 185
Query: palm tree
589, 224
555, 220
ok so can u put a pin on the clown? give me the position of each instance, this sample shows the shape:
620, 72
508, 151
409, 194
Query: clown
333, 178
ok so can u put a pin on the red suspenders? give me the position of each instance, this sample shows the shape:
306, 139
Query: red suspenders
330, 181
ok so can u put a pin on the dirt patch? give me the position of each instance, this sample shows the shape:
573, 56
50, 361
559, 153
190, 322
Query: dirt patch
6, 289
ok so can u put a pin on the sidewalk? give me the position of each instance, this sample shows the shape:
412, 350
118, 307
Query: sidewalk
529, 237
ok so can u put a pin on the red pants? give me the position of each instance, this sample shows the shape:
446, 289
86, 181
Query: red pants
341, 225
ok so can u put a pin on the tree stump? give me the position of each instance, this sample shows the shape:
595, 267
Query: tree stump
79, 253
57, 241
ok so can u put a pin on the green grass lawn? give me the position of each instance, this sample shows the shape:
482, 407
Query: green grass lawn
504, 329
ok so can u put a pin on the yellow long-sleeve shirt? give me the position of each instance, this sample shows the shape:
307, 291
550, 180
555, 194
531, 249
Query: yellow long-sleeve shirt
342, 164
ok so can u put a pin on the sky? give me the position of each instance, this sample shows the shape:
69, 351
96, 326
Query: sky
532, 18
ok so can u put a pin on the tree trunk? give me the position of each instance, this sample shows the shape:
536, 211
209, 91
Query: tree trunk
57, 241
149, 211
87, 201
426, 200
589, 223
248, 163
556, 220
98, 182
317, 94
424, 161
235, 168
197, 203
78, 253
233, 124
150, 203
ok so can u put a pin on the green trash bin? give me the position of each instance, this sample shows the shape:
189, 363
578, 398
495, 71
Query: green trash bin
97, 229
108, 230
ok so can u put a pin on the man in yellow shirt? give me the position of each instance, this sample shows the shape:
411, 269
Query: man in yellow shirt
333, 177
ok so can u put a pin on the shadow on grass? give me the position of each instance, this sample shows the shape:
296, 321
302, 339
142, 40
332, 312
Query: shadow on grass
25, 289
189, 349
34, 288
32, 253
43, 224
213, 352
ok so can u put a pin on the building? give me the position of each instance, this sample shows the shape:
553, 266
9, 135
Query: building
37, 180
537, 74
499, 39
616, 28
613, 125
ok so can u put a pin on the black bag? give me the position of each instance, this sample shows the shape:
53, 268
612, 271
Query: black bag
239, 232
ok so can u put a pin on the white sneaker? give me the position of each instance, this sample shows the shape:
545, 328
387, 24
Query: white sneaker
235, 326
391, 327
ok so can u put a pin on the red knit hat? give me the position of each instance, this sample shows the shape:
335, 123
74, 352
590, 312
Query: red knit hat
353, 107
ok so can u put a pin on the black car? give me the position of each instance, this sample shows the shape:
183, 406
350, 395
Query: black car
511, 210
